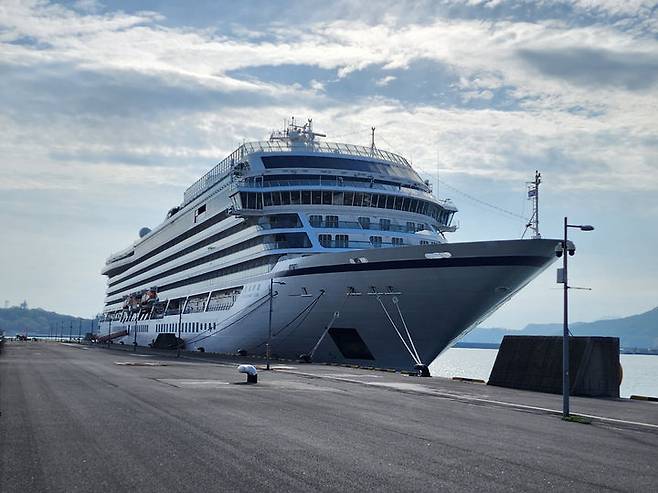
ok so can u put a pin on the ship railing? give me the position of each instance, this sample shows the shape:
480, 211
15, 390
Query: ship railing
325, 147
214, 175
335, 181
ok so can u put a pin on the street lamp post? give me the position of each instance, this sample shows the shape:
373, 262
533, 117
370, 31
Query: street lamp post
109, 333
269, 325
135, 334
565, 250
180, 323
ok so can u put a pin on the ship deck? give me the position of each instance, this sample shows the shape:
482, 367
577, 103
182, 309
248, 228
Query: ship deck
85, 418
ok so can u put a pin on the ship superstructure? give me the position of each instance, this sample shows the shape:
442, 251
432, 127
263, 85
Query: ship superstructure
309, 247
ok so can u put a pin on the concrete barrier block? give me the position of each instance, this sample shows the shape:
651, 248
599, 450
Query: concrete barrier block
535, 363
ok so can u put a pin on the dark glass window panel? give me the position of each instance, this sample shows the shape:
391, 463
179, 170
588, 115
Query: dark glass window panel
326, 198
306, 197
319, 162
316, 197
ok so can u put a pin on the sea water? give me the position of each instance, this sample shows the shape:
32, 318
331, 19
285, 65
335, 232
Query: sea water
640, 370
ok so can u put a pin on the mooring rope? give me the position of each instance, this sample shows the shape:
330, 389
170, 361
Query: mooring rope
413, 356
397, 305
336, 314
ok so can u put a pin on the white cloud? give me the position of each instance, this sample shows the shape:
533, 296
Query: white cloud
384, 81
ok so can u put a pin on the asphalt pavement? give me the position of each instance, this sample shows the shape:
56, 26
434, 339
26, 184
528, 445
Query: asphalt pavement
84, 418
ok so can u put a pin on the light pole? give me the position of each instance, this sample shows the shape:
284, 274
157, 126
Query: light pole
109, 333
135, 335
565, 249
269, 325
180, 323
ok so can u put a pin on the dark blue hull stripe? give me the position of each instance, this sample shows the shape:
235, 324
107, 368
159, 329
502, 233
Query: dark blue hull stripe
422, 263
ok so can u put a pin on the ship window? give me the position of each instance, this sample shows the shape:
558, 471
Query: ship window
267, 199
315, 220
338, 198
406, 204
259, 201
295, 197
397, 241
306, 197
342, 241
366, 200
199, 211
398, 203
348, 198
424, 242
276, 198
331, 221
326, 198
374, 200
285, 198
316, 197
358, 199
390, 201
364, 222
325, 240
385, 224
411, 227
376, 241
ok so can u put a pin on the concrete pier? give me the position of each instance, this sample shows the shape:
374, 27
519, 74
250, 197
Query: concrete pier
85, 418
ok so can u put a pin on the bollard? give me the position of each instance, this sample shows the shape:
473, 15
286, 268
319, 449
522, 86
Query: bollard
423, 370
250, 370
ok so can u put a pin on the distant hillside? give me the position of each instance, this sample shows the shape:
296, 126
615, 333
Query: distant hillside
636, 331
36, 321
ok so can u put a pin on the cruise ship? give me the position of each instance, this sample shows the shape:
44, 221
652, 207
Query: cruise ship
296, 247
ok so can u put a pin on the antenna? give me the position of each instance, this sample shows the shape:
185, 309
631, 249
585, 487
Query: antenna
372, 140
533, 195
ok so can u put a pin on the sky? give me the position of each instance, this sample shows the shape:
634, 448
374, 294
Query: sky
109, 110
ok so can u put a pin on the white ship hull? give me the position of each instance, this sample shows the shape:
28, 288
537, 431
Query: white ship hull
442, 291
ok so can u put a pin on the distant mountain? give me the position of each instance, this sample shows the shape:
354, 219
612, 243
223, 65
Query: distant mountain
36, 321
636, 331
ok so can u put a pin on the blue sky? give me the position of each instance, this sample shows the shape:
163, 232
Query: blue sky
109, 110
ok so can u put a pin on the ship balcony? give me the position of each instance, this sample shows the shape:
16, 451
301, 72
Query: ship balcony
359, 244
256, 184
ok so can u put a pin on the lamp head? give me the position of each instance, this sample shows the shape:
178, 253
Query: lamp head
587, 227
